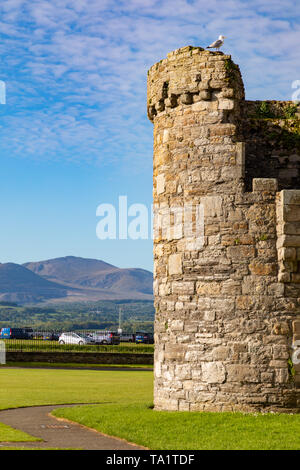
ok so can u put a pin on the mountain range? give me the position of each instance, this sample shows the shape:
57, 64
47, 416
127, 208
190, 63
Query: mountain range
72, 279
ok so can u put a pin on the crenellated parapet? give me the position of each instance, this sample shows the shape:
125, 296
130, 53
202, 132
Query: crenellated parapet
213, 83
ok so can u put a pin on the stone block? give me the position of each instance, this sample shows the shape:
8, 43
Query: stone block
200, 106
291, 196
175, 264
295, 277
229, 286
242, 373
212, 206
160, 184
223, 304
245, 302
184, 405
209, 316
265, 184
291, 213
284, 277
296, 326
241, 253
289, 240
204, 85
186, 98
183, 372
276, 289
234, 240
166, 404
174, 352
205, 289
228, 93
260, 268
205, 95
213, 372
183, 287
221, 353
266, 377
176, 325
226, 103
287, 253
171, 101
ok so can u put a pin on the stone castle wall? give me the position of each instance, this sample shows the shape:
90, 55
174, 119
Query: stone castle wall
272, 139
226, 291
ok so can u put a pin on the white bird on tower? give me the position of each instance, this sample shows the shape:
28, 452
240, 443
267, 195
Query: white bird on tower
217, 44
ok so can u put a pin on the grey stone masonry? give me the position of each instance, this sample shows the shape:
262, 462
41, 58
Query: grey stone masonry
226, 259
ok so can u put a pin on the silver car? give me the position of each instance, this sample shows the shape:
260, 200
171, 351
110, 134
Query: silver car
107, 337
75, 338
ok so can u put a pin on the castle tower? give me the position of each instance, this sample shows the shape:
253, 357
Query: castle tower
226, 269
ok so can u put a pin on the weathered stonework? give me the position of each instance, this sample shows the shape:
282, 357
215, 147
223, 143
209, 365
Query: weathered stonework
227, 295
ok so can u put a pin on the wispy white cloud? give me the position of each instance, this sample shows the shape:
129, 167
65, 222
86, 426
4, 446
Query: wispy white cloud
76, 69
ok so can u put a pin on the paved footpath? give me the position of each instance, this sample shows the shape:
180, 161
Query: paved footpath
57, 433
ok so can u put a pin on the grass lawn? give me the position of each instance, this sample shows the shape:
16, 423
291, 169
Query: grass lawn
190, 431
31, 387
124, 410
8, 434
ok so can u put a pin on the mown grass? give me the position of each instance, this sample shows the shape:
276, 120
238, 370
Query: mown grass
8, 434
189, 431
32, 387
124, 410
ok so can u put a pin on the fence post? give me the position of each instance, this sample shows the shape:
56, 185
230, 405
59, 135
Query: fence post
2, 352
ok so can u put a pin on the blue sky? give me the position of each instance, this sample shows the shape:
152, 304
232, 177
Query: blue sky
74, 131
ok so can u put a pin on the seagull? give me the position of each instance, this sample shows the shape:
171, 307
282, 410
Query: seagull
217, 44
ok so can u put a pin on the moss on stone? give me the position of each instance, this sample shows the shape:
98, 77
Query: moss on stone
282, 133
231, 67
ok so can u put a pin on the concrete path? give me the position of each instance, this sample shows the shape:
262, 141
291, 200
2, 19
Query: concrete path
57, 433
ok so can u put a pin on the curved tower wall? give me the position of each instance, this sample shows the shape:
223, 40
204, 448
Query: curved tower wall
226, 294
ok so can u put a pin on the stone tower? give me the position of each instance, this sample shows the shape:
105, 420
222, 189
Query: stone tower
227, 239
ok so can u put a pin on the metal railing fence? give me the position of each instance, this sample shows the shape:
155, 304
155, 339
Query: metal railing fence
29, 339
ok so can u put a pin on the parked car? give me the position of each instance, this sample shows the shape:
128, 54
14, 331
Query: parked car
108, 337
142, 337
50, 336
127, 338
55, 336
29, 332
38, 335
75, 338
13, 333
